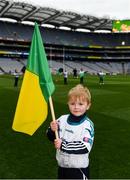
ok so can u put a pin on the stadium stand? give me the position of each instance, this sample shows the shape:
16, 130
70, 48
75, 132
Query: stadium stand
9, 65
65, 49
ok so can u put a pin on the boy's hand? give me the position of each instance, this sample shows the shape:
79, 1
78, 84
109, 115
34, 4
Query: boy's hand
54, 126
57, 143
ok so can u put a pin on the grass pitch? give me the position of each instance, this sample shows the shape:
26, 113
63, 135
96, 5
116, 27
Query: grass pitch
33, 157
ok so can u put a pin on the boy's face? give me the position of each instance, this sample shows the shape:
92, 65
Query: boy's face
77, 106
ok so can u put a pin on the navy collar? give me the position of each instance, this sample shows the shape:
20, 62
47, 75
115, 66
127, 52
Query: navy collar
76, 120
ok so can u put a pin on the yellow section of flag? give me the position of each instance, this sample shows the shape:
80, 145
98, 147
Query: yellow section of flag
31, 108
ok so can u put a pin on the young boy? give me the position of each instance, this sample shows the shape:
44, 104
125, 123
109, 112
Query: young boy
76, 135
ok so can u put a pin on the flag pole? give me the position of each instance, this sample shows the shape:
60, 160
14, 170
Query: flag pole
53, 114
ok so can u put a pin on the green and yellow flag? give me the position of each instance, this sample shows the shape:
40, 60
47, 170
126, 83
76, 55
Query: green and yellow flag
37, 87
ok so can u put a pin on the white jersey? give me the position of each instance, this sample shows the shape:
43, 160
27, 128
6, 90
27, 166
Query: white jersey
77, 139
65, 74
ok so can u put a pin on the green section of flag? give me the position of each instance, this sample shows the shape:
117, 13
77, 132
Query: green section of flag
37, 64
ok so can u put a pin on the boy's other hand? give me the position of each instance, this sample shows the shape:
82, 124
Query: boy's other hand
57, 143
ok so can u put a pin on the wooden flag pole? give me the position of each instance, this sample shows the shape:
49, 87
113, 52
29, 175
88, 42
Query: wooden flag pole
53, 114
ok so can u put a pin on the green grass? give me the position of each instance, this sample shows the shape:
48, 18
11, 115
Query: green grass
23, 156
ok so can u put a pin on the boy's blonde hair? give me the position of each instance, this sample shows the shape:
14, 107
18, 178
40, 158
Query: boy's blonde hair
80, 92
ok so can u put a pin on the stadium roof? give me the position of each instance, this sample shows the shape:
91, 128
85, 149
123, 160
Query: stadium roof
21, 11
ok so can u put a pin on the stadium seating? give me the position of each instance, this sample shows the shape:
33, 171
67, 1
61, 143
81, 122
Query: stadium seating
67, 49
